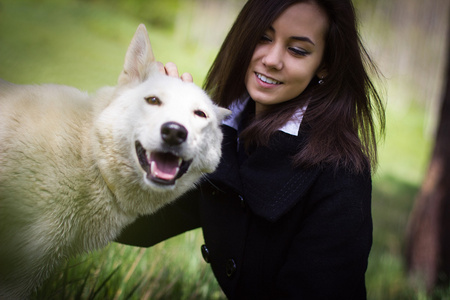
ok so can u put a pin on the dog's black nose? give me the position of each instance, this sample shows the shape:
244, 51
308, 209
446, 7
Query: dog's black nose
173, 133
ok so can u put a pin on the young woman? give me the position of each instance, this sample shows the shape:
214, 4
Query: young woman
287, 214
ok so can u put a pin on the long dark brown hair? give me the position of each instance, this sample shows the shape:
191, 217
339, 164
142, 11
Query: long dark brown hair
343, 113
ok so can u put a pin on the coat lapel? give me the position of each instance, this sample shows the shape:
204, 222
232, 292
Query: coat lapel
269, 183
228, 170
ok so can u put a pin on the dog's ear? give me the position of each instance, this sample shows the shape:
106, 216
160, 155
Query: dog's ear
221, 112
139, 60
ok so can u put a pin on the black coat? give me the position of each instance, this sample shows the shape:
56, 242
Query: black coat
271, 231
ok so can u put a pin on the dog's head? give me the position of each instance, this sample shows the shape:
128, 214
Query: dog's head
159, 134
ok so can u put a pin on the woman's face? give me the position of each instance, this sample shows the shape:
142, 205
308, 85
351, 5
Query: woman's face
288, 55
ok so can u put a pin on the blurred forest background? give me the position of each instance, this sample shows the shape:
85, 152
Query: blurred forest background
83, 42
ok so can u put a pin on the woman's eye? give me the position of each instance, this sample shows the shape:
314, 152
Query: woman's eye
200, 113
153, 100
265, 38
299, 51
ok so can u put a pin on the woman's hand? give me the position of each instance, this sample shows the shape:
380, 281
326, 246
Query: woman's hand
171, 69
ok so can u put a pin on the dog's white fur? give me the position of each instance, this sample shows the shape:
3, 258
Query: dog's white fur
70, 177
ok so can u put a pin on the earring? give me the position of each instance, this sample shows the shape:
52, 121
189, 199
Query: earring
321, 80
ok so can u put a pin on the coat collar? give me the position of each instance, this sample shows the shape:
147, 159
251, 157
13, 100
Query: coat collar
292, 127
267, 180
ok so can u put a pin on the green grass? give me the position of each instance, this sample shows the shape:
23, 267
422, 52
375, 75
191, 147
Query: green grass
80, 44
83, 44
173, 269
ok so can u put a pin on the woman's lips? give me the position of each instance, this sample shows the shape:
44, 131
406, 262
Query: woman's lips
267, 80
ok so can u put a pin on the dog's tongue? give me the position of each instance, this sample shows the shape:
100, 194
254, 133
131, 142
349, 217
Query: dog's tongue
164, 165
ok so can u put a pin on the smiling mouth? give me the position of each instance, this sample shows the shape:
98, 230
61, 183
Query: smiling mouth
267, 79
163, 168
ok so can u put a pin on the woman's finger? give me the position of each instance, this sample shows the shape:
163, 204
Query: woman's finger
187, 77
161, 68
171, 69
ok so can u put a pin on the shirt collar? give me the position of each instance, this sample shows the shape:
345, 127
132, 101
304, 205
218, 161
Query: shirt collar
291, 127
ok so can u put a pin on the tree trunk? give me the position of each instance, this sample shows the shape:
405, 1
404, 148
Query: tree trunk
428, 235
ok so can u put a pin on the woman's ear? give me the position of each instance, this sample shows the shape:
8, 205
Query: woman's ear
322, 72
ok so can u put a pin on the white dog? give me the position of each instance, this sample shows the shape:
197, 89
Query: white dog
75, 169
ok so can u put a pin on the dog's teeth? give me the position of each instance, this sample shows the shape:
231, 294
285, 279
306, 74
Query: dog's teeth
153, 168
180, 161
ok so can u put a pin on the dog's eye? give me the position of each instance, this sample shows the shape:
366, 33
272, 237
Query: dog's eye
200, 113
153, 100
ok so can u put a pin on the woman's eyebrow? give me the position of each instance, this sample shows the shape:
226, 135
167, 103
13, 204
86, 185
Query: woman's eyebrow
297, 38
303, 39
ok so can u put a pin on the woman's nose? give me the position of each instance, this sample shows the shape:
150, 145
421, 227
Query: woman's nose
273, 58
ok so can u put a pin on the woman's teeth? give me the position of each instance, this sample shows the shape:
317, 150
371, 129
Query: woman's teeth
266, 79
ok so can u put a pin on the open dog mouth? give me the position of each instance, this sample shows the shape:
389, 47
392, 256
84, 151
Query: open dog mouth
161, 167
